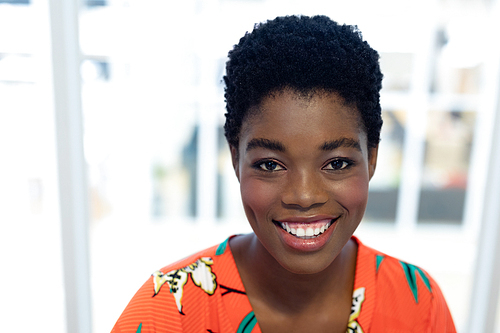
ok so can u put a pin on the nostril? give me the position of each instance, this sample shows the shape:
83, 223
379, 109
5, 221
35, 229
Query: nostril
304, 189
304, 199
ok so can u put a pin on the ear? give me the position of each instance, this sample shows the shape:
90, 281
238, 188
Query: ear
372, 160
236, 161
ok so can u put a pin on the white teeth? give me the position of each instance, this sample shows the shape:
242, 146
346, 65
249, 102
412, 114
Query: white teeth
308, 233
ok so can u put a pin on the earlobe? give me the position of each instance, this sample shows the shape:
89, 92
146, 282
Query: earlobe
235, 160
372, 160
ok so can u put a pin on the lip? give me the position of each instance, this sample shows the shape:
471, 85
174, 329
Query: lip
306, 245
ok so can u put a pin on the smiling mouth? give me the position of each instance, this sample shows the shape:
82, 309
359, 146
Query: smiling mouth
306, 230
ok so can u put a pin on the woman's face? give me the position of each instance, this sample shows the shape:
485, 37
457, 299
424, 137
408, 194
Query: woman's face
304, 167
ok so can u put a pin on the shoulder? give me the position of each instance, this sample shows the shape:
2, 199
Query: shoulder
162, 301
402, 295
409, 282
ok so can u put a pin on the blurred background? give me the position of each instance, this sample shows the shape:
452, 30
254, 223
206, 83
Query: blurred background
114, 162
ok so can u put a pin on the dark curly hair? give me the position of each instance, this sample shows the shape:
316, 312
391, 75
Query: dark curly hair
307, 55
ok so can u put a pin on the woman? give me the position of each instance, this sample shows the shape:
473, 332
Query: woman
303, 124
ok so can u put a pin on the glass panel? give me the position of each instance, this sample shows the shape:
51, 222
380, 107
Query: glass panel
229, 206
446, 164
16, 2
397, 69
136, 149
384, 185
16, 68
95, 3
458, 60
139, 114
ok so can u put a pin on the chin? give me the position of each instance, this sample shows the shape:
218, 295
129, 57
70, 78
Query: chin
307, 263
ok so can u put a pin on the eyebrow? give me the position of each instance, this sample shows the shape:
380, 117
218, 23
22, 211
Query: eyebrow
344, 142
265, 143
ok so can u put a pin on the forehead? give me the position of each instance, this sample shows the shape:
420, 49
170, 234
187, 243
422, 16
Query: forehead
311, 115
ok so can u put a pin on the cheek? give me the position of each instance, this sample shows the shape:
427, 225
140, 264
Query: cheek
354, 195
257, 196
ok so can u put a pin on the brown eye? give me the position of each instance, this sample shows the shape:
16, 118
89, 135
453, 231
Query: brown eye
270, 166
339, 164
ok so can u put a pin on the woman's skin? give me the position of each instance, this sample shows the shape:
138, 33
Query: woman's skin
303, 161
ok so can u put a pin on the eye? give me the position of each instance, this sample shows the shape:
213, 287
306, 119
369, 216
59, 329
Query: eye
269, 166
338, 164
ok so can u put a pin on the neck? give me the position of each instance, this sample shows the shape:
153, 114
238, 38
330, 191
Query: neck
267, 281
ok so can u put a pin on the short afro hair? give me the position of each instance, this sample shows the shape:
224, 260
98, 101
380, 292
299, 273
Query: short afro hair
304, 54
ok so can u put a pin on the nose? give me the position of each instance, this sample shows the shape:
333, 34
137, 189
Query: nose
304, 190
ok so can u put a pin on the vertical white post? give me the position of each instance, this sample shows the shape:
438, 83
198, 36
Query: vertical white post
71, 164
414, 145
485, 292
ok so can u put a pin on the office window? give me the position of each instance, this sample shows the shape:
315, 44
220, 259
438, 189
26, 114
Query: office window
446, 165
384, 186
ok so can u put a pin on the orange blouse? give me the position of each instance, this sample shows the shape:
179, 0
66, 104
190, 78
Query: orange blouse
204, 293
